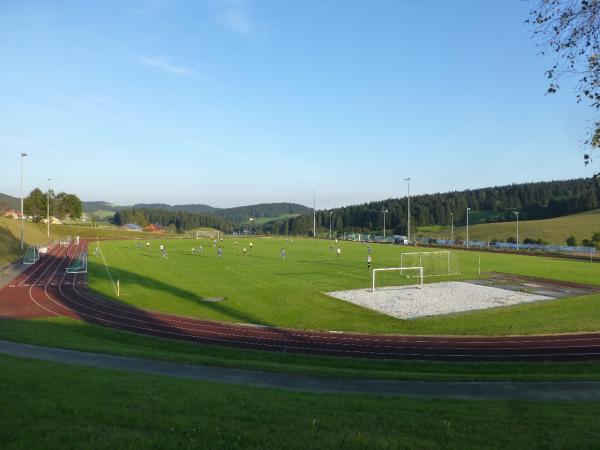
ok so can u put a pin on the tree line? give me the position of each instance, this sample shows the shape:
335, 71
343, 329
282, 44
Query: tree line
62, 205
539, 200
178, 221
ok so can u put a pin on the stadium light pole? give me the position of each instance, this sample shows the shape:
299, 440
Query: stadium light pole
384, 213
408, 181
48, 208
314, 214
452, 227
330, 214
517, 214
468, 209
23, 155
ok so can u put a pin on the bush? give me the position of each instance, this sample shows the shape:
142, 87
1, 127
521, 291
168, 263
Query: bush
571, 241
534, 241
511, 240
596, 237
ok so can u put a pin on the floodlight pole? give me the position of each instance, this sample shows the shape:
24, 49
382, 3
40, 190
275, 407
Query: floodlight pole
468, 209
452, 227
48, 208
330, 214
314, 214
384, 213
408, 181
517, 214
23, 155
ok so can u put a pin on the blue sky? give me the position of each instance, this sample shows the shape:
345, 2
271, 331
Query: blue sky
232, 102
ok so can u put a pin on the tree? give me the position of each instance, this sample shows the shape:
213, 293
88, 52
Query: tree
35, 204
511, 240
571, 241
570, 29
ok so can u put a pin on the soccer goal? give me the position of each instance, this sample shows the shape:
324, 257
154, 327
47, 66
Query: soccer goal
79, 264
434, 264
415, 270
31, 255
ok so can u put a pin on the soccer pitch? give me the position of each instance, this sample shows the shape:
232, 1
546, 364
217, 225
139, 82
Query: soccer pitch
264, 289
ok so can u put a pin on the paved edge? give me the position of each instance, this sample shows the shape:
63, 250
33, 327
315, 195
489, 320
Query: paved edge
10, 271
547, 391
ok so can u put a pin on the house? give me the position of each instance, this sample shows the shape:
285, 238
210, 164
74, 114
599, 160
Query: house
53, 220
131, 227
155, 228
12, 214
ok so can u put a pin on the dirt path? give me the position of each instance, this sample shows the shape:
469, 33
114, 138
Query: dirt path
546, 391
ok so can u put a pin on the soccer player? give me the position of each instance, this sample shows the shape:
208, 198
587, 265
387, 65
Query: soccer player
147, 244
250, 245
214, 243
369, 249
339, 252
220, 252
283, 254
331, 249
244, 251
193, 251
369, 261
201, 249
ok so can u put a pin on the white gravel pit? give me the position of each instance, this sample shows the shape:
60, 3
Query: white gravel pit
410, 302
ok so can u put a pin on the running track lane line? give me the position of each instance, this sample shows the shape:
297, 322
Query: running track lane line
499, 390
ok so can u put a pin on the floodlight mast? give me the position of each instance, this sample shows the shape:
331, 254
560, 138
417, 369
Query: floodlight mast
468, 209
408, 181
384, 213
452, 227
314, 214
48, 208
330, 214
23, 155
517, 214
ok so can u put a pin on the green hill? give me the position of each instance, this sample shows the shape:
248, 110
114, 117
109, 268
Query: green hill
553, 231
8, 202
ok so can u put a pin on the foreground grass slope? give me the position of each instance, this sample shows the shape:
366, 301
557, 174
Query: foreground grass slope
47, 405
554, 231
262, 288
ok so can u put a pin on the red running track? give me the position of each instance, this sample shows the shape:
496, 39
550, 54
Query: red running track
46, 290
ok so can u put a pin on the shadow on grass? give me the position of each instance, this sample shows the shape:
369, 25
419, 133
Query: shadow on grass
183, 294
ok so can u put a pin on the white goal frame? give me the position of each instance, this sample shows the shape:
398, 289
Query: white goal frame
440, 252
385, 269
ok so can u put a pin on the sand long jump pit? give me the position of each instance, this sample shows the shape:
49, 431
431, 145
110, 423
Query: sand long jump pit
411, 302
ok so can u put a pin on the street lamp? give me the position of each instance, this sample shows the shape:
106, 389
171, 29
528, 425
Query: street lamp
468, 209
408, 181
48, 208
23, 155
314, 214
384, 213
517, 214
452, 227
330, 214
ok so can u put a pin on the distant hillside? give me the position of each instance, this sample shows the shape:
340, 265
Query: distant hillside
238, 214
554, 231
8, 202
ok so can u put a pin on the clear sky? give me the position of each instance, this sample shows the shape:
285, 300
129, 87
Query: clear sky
233, 102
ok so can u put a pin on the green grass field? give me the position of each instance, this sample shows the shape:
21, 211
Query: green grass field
48, 405
554, 231
261, 288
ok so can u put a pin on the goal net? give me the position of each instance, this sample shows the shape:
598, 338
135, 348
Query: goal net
203, 234
78, 264
436, 263
406, 273
31, 255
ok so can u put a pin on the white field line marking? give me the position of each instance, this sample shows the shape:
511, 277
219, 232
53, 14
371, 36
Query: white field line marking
106, 267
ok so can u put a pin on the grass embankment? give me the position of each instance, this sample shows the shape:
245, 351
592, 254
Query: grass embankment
261, 288
74, 335
60, 406
554, 231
